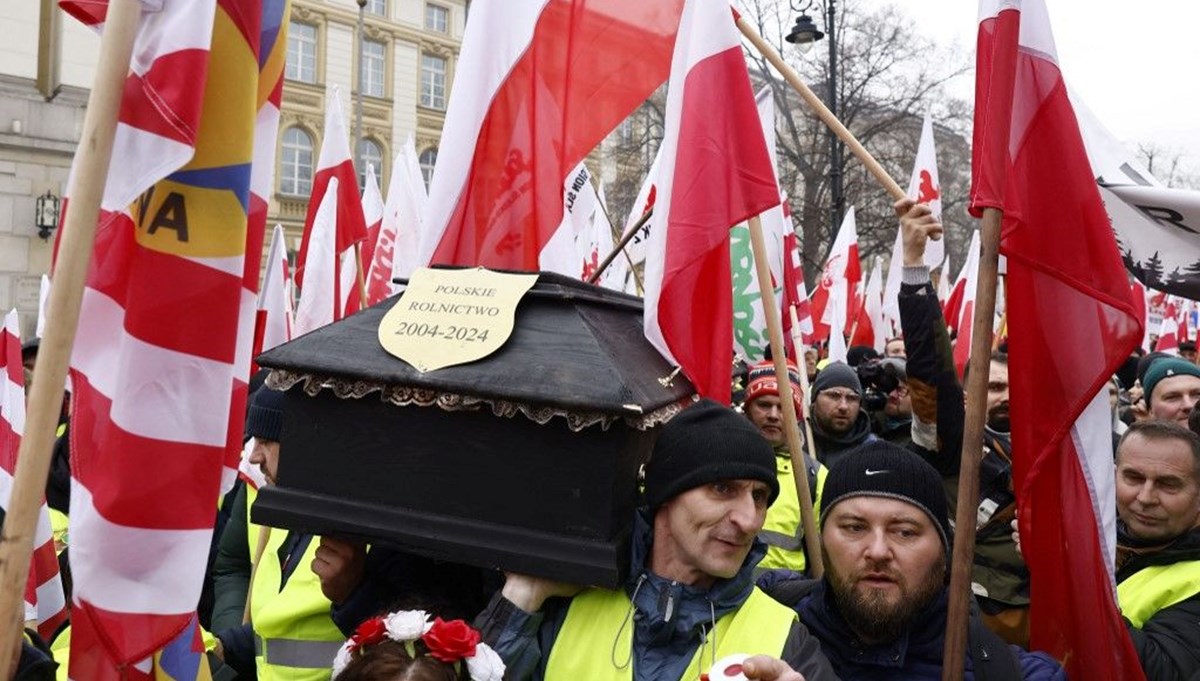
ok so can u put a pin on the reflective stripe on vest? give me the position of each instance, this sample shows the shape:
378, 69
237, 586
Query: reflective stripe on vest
295, 638
783, 531
595, 630
1151, 589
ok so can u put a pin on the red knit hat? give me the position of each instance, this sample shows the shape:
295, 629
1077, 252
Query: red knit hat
763, 382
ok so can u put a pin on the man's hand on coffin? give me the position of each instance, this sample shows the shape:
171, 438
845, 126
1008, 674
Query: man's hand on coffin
529, 593
339, 564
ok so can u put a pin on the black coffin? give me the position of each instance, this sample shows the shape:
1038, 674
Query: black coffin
525, 460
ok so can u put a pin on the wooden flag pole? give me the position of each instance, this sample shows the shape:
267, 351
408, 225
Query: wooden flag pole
632, 270
822, 111
362, 280
628, 236
968, 477
66, 297
812, 541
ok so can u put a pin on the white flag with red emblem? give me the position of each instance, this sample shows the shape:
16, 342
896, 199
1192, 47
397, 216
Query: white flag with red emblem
964, 321
647, 195
403, 220
925, 188
842, 274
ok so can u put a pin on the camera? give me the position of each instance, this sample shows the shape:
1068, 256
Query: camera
880, 377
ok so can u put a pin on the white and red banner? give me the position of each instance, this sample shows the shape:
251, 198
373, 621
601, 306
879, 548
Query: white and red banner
564, 253
403, 218
795, 293
841, 280
647, 195
372, 204
159, 377
716, 172
334, 161
44, 600
925, 188
1066, 289
539, 84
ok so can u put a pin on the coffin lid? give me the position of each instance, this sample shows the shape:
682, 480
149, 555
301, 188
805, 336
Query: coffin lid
577, 351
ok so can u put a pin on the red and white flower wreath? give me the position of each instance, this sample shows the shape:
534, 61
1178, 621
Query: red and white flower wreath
451, 642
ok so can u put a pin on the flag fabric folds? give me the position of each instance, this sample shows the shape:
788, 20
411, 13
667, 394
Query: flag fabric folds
169, 319
44, 600
647, 195
717, 172
334, 161
923, 187
871, 329
319, 303
1066, 289
964, 317
539, 84
841, 280
274, 320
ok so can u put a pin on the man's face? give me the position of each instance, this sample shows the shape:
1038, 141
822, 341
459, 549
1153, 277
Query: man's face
895, 348
1174, 398
265, 455
899, 402
810, 363
997, 397
766, 415
885, 562
705, 533
1157, 493
836, 409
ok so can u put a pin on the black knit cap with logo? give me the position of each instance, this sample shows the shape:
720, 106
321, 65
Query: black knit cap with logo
705, 443
882, 469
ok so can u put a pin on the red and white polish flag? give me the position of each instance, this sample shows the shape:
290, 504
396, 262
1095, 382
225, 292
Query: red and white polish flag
871, 329
334, 161
795, 293
842, 275
44, 600
716, 173
540, 83
319, 301
1067, 288
964, 320
924, 187
372, 205
274, 303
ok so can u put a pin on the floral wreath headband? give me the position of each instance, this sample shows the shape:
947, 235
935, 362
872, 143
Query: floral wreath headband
451, 642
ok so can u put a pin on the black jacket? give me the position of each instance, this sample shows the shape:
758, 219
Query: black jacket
1168, 644
830, 448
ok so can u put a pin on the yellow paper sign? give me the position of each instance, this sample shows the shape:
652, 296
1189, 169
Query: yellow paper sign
449, 317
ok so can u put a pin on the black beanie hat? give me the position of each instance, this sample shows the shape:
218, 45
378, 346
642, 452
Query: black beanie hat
882, 469
265, 418
836, 375
705, 443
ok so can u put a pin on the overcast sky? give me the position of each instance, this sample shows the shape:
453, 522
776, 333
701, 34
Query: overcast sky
1136, 64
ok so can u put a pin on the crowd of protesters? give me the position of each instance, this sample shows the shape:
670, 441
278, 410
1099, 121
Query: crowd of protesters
718, 564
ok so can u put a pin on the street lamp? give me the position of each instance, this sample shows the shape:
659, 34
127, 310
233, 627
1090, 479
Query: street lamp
803, 35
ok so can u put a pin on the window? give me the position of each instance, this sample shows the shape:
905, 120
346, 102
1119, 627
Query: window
377, 7
296, 163
368, 153
428, 160
370, 80
437, 18
302, 53
433, 81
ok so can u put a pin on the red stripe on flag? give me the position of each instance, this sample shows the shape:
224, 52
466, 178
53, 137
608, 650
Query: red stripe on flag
95, 632
182, 317
142, 103
162, 463
351, 225
582, 73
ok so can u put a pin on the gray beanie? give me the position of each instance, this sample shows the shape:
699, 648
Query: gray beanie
836, 375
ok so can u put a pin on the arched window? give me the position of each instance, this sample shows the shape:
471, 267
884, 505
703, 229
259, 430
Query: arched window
368, 152
428, 160
296, 163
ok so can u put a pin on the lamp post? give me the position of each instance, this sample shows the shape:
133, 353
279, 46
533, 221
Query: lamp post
358, 101
803, 35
